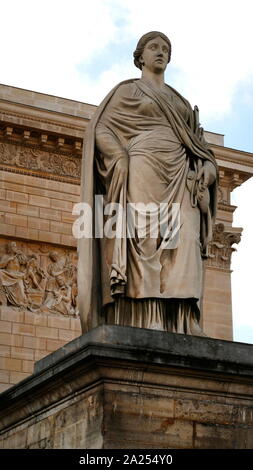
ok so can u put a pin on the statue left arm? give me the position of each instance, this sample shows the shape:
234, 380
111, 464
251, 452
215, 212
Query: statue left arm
207, 174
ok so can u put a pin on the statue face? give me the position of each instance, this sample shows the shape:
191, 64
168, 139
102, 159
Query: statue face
155, 55
53, 255
60, 281
13, 247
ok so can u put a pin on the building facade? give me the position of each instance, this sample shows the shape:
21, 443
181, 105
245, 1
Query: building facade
41, 140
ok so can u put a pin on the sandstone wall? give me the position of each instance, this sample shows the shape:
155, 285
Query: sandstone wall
26, 337
39, 209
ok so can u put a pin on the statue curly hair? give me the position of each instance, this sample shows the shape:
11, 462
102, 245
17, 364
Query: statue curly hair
142, 43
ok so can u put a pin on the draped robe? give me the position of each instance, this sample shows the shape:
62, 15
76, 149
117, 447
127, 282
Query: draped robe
141, 147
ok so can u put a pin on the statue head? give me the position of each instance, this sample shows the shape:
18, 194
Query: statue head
61, 280
53, 255
142, 43
33, 260
12, 247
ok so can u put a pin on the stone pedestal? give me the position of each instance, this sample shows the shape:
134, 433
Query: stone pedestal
129, 388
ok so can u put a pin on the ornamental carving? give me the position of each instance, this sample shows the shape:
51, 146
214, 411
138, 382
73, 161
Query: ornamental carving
222, 196
221, 247
54, 163
38, 279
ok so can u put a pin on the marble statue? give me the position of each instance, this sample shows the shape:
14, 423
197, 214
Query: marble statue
144, 146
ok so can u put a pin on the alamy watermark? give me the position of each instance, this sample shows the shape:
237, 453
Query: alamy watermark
136, 220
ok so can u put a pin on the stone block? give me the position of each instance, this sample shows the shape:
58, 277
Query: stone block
50, 191
22, 353
5, 326
28, 366
27, 233
26, 209
23, 329
35, 318
7, 229
39, 201
151, 419
68, 217
14, 178
10, 364
61, 204
66, 335
213, 436
64, 195
2, 193
60, 186
5, 351
4, 376
68, 240
38, 224
49, 237
60, 227
17, 340
217, 331
34, 343
208, 411
16, 440
17, 186
16, 377
80, 424
75, 324
39, 432
46, 332
15, 219
5, 339
53, 344
17, 196
58, 322
8, 206
221, 296
12, 315
41, 190
50, 214
170, 433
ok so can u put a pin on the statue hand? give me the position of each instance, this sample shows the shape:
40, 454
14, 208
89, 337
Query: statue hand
206, 175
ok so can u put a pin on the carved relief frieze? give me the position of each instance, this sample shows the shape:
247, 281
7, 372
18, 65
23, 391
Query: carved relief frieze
38, 278
221, 246
42, 161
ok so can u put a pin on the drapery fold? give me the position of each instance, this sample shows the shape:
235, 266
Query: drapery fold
155, 134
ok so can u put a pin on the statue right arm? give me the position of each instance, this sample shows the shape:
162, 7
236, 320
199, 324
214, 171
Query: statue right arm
108, 144
113, 160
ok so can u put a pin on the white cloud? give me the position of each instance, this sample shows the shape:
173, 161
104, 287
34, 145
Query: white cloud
108, 79
211, 44
244, 333
44, 41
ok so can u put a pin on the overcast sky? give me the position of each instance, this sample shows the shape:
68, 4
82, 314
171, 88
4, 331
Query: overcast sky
80, 49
